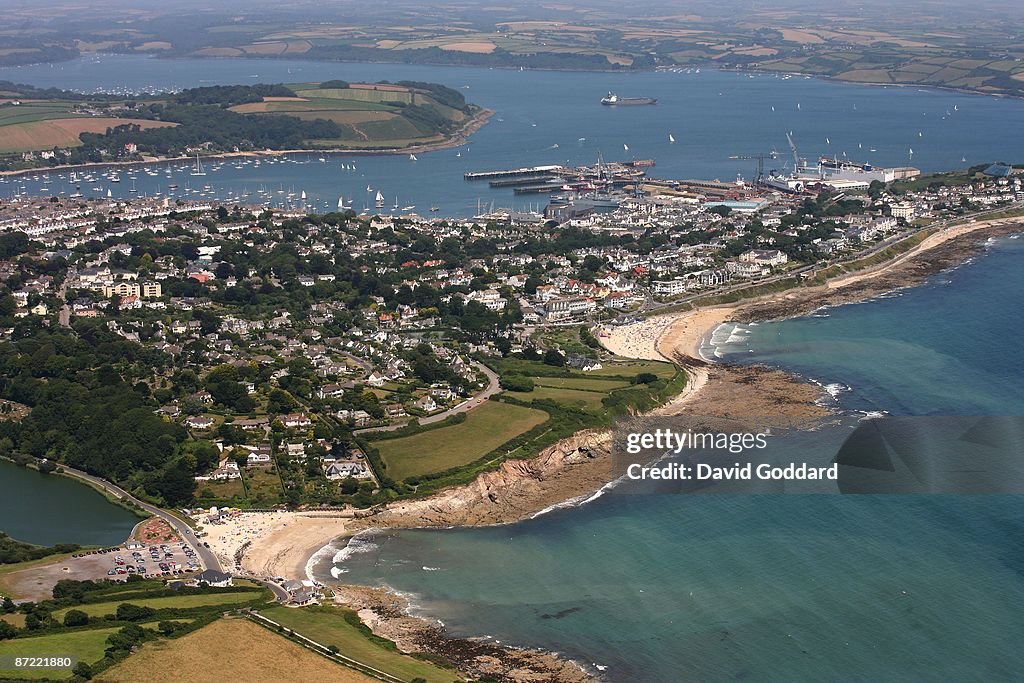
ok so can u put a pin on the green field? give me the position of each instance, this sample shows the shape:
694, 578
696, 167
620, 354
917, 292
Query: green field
327, 625
86, 646
28, 112
630, 368
570, 397
100, 609
436, 450
582, 383
367, 117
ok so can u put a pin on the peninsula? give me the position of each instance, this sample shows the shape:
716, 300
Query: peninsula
55, 128
302, 379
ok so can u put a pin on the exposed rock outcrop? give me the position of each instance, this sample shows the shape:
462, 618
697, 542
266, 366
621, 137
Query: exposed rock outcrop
573, 467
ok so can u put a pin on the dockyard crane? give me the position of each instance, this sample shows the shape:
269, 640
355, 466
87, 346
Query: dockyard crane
760, 162
796, 155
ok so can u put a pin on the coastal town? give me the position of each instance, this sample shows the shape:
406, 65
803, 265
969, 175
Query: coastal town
283, 335
281, 378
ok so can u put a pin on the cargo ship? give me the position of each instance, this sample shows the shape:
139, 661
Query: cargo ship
613, 99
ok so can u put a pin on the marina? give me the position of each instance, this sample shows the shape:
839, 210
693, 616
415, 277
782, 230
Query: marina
711, 115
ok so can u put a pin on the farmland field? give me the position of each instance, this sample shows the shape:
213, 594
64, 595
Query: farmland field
254, 654
172, 602
569, 397
436, 450
370, 115
86, 646
581, 383
327, 625
48, 132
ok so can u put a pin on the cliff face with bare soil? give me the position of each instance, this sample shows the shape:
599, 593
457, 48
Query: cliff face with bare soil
572, 467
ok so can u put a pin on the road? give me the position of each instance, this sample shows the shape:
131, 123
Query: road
650, 307
493, 387
206, 556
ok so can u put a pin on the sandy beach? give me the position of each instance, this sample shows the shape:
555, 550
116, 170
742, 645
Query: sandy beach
281, 543
637, 340
266, 544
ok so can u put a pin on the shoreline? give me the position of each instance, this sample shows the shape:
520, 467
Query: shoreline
512, 67
570, 472
457, 139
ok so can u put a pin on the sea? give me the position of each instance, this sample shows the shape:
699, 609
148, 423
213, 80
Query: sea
651, 588
772, 587
549, 117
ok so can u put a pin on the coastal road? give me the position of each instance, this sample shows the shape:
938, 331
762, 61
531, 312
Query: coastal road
493, 387
208, 558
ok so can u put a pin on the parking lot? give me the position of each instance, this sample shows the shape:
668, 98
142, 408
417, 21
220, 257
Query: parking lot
155, 561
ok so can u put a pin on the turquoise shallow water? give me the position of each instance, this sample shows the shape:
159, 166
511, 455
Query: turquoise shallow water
796, 588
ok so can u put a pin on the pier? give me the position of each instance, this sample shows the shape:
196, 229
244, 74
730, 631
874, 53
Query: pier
512, 173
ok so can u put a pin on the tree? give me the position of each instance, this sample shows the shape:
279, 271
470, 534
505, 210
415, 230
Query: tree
553, 357
129, 612
168, 627
76, 617
7, 630
176, 484
517, 383
8, 604
82, 670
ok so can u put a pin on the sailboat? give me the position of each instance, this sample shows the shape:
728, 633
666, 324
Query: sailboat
108, 194
303, 195
341, 202
395, 207
459, 153
198, 168
671, 139
133, 190
412, 157
369, 189
625, 147
379, 203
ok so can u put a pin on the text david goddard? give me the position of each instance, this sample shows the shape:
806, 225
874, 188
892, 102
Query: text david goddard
735, 472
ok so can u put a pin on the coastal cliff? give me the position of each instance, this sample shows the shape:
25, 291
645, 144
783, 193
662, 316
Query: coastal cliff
573, 467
